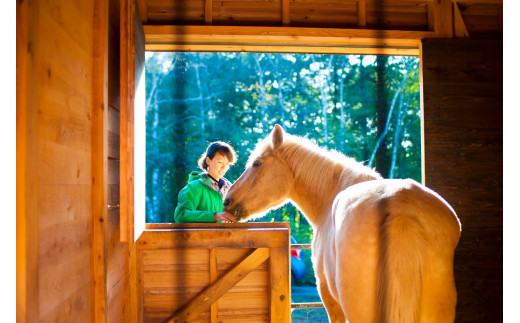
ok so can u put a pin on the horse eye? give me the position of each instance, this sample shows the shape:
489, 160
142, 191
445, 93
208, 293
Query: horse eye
257, 163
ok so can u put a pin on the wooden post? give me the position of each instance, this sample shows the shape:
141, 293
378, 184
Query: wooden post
362, 13
286, 13
27, 95
100, 159
208, 12
443, 18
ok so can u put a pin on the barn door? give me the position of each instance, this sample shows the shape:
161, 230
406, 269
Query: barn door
132, 130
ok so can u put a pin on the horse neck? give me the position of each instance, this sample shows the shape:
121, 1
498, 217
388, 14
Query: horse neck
319, 180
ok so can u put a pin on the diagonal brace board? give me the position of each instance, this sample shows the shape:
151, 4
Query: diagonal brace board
213, 292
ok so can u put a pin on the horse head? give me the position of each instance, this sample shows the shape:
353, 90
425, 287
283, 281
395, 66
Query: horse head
266, 181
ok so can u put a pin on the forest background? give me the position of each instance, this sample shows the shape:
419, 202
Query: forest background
366, 107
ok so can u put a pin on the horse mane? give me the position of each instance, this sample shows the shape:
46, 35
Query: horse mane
322, 168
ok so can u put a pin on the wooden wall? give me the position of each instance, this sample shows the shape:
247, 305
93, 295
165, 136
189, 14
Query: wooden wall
462, 94
71, 266
55, 53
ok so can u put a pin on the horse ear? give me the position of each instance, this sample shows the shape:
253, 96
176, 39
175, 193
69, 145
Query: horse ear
277, 136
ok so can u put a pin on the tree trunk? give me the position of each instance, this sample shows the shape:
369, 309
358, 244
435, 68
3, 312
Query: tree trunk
263, 103
382, 114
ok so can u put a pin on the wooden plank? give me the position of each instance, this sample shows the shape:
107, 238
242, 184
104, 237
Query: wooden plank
58, 164
143, 10
208, 12
117, 252
116, 302
459, 27
139, 289
127, 81
362, 13
346, 50
99, 143
213, 275
286, 13
283, 39
217, 226
61, 280
280, 284
221, 286
253, 238
443, 18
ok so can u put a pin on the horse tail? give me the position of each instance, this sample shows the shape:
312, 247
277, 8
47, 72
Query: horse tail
401, 259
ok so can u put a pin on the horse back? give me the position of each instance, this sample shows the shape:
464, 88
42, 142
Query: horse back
395, 241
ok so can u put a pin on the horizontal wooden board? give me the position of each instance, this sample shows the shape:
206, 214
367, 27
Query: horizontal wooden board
63, 204
58, 164
193, 238
63, 285
63, 241
165, 257
117, 301
71, 307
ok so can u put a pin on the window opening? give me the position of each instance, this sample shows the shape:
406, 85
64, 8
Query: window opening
365, 106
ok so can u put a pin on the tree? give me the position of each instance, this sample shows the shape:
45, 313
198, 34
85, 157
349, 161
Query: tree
196, 98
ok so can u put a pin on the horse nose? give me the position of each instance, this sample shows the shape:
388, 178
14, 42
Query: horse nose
227, 202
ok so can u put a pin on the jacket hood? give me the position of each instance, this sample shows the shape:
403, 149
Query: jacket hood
204, 176
195, 175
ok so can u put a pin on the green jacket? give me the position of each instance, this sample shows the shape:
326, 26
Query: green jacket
199, 200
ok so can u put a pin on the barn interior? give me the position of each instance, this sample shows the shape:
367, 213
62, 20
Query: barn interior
81, 249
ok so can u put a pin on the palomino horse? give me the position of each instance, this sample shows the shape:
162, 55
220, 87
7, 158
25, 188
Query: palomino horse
382, 248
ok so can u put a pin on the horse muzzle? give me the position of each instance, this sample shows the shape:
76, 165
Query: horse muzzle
236, 209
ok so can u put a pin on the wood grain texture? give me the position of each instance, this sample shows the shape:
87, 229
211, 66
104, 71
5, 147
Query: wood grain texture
174, 276
462, 93
213, 292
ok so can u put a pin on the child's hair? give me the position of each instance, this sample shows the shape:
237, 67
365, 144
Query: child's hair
214, 148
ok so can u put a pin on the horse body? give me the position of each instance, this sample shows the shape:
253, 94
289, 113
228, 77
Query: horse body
382, 249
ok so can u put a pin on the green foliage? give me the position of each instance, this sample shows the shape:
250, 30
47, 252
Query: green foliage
196, 98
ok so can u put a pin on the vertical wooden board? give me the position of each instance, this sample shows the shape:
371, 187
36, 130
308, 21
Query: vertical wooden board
280, 285
324, 14
176, 12
113, 59
255, 13
27, 94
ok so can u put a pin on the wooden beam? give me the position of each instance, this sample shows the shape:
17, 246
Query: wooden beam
459, 26
280, 271
208, 12
143, 10
99, 159
200, 238
283, 39
286, 13
443, 18
362, 13
127, 89
203, 301
27, 222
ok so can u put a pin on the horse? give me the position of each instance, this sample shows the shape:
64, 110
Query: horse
382, 249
